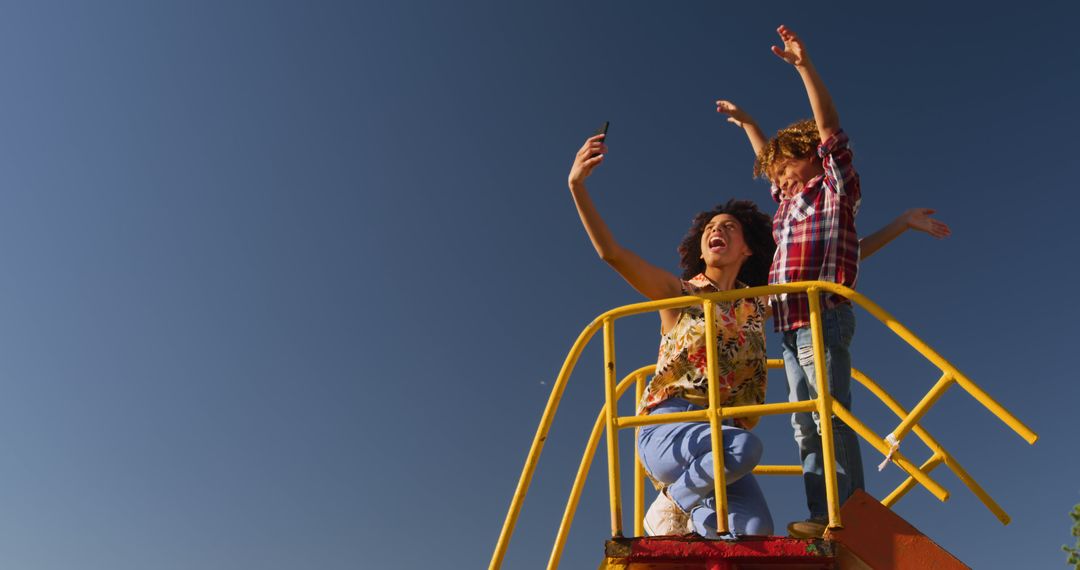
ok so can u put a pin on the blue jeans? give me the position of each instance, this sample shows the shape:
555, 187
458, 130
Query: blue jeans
680, 456
838, 330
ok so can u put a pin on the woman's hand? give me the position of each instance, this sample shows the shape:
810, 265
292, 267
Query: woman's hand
919, 219
591, 154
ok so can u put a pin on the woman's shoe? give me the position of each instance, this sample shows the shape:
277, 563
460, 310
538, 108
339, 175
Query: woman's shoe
665, 518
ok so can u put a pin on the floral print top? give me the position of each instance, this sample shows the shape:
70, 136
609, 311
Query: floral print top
681, 370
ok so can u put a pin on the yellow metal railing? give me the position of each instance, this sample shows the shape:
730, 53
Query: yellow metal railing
611, 422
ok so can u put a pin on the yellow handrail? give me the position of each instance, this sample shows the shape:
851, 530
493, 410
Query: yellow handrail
824, 404
583, 473
938, 456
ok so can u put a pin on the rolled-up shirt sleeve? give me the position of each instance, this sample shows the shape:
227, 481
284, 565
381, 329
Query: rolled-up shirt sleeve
774, 191
840, 175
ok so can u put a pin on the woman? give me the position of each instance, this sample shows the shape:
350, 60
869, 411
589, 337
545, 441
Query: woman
728, 247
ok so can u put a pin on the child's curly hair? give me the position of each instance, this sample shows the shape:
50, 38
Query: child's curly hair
797, 140
757, 233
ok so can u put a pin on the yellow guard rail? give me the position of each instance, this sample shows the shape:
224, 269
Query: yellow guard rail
611, 422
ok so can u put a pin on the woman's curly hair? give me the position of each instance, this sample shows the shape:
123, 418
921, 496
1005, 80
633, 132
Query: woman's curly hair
797, 140
757, 233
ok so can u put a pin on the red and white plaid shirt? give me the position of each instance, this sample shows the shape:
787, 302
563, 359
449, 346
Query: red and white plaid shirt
815, 234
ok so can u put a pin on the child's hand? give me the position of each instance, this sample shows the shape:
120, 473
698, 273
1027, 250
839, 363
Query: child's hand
591, 154
735, 114
919, 219
793, 52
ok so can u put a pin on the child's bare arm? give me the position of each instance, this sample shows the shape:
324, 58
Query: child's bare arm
828, 121
744, 120
915, 219
649, 280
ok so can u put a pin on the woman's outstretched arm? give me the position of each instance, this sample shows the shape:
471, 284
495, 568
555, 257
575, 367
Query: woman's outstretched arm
915, 219
646, 278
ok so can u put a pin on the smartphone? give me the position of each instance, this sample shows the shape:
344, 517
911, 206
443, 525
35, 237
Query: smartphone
602, 131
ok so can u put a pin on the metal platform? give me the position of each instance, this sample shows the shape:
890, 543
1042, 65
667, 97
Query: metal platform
692, 552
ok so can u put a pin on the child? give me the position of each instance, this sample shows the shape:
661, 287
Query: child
809, 166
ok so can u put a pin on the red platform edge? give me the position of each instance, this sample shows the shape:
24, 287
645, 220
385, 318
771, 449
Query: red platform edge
761, 548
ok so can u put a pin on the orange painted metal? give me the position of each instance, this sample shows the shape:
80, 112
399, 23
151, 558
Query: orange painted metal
875, 537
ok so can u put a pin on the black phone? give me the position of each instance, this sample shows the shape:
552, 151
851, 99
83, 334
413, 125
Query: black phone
602, 130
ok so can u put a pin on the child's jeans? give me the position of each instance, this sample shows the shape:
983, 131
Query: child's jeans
680, 456
838, 330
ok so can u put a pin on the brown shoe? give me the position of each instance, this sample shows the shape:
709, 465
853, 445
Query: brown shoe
812, 528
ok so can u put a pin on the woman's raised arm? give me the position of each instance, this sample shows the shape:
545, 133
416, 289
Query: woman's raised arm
646, 278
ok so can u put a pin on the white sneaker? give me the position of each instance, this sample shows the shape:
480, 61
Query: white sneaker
665, 518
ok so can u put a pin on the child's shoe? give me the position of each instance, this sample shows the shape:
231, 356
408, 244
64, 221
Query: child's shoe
810, 528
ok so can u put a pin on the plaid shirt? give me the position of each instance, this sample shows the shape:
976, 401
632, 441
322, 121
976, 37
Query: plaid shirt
815, 234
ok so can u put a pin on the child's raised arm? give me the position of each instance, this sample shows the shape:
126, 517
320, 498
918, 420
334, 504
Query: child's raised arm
828, 121
744, 120
915, 219
646, 278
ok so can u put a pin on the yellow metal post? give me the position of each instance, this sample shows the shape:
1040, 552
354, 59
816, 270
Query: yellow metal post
538, 446
981, 493
639, 469
909, 483
756, 410
612, 427
583, 471
778, 470
714, 418
900, 411
575, 490
825, 404
879, 444
997, 409
922, 407
944, 365
672, 418
939, 455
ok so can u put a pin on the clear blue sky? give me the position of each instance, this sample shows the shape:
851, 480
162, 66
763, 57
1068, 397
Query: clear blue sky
285, 284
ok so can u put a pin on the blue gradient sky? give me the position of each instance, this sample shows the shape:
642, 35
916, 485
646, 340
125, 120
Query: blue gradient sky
286, 284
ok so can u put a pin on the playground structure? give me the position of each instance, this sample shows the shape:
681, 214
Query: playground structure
610, 422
